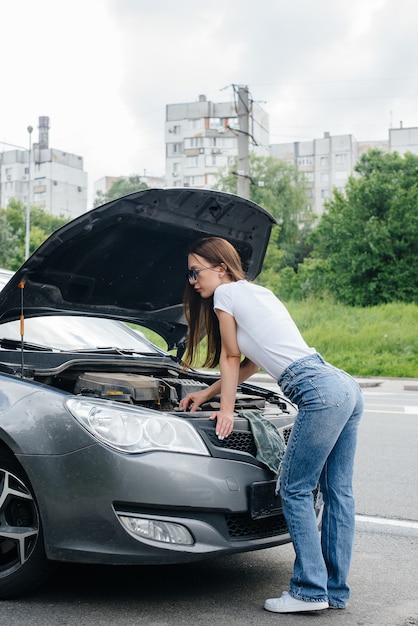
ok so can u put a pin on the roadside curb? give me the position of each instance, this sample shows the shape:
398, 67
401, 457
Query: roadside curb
365, 383
405, 384
369, 383
411, 387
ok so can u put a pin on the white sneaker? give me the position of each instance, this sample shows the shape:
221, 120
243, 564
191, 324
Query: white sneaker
289, 604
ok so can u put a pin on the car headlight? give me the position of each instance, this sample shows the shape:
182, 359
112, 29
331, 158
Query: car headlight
135, 429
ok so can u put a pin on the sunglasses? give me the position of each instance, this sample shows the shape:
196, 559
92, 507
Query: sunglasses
193, 274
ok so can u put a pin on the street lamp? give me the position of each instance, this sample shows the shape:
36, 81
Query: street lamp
27, 237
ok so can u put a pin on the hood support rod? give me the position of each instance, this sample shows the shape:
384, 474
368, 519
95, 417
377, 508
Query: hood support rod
21, 286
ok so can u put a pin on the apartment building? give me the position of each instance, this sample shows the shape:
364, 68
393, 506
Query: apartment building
327, 162
44, 177
403, 140
103, 185
201, 138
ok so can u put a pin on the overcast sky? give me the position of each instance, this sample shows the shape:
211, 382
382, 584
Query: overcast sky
103, 70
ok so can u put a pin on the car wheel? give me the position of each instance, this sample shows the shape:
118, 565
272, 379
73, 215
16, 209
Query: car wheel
23, 563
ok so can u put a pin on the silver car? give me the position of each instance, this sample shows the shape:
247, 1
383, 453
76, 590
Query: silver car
97, 462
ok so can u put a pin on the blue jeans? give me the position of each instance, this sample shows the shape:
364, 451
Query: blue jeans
321, 450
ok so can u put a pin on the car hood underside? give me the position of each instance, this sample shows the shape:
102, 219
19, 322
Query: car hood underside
127, 259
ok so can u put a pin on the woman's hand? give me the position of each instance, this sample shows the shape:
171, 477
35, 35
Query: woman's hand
193, 400
224, 423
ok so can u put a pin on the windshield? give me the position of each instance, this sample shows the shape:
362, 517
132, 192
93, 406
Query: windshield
5, 276
71, 333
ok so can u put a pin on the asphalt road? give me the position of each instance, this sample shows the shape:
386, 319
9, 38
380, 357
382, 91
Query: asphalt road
231, 590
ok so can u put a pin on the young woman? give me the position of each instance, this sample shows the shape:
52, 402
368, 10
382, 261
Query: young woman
241, 318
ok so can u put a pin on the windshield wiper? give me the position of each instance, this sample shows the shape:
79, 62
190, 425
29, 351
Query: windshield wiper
111, 350
14, 344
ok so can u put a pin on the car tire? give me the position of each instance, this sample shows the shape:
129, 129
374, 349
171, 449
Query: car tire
23, 562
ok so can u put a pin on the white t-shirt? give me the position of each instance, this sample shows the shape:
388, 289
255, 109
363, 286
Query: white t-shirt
266, 333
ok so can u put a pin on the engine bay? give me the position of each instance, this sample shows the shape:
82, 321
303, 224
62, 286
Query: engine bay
158, 384
156, 393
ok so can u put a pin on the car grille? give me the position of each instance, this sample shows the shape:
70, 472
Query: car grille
239, 440
242, 526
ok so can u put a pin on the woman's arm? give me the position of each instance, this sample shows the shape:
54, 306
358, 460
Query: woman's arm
247, 369
194, 399
229, 365
233, 372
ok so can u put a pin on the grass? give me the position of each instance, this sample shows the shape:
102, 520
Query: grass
372, 341
379, 341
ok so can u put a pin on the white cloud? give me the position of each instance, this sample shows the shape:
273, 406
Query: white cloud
103, 70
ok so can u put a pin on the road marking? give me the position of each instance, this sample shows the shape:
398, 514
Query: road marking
406, 410
411, 409
384, 521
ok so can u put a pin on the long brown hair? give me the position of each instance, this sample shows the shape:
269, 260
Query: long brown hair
199, 313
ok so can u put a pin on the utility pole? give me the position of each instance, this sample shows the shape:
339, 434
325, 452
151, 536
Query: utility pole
27, 235
243, 136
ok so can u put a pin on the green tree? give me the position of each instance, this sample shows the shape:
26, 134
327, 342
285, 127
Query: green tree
366, 243
121, 187
9, 242
279, 188
13, 231
46, 222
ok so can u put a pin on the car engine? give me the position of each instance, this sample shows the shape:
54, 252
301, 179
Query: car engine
162, 393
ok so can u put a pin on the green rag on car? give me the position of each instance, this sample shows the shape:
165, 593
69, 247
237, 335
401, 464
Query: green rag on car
268, 440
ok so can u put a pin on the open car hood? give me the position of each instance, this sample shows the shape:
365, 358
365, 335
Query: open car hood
127, 259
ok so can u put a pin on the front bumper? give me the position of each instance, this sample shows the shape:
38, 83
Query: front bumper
82, 494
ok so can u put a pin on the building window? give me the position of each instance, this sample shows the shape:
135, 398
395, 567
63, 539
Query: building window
196, 124
309, 176
194, 181
324, 177
193, 142
216, 160
304, 161
233, 123
215, 123
341, 159
323, 161
177, 148
192, 161
324, 193
222, 142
